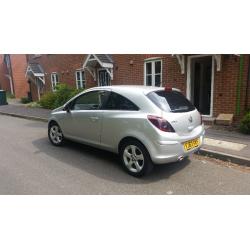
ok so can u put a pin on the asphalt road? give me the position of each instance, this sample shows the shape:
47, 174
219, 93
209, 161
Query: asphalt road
29, 164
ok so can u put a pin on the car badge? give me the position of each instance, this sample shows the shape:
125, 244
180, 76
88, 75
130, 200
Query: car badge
190, 119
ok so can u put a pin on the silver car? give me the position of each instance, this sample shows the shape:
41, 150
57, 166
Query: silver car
144, 125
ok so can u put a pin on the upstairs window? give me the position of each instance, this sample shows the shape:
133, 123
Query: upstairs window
80, 79
153, 73
54, 81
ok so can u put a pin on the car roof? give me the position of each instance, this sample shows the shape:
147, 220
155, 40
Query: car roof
138, 88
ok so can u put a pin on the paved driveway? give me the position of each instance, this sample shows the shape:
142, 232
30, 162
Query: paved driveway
29, 164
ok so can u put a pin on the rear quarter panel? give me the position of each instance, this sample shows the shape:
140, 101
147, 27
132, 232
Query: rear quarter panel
120, 124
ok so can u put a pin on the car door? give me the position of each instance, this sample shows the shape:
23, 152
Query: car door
86, 115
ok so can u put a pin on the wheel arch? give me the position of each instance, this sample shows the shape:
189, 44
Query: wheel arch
51, 122
127, 138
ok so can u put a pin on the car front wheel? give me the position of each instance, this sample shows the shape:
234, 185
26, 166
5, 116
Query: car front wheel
55, 134
135, 158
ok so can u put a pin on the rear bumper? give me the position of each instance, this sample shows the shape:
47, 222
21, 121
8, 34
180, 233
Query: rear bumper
172, 151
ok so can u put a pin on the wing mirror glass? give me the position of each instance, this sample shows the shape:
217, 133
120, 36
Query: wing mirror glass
67, 107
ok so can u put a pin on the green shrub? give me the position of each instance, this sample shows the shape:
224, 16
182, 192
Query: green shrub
76, 92
245, 124
25, 100
34, 105
63, 93
10, 96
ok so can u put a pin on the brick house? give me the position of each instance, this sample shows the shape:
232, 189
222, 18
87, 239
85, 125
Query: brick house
214, 83
12, 74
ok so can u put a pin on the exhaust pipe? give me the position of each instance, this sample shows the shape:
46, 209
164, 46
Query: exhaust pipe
180, 158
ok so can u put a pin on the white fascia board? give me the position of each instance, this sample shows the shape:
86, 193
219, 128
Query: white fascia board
27, 70
86, 61
107, 65
38, 74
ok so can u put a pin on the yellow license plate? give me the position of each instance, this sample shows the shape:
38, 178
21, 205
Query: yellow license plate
188, 145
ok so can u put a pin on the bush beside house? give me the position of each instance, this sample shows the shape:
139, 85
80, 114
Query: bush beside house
245, 124
63, 93
25, 100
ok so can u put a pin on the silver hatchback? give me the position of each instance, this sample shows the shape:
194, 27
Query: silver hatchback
144, 125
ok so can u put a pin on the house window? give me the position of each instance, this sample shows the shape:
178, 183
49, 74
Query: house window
153, 73
80, 79
54, 81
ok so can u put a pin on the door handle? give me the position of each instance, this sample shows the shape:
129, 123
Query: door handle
94, 118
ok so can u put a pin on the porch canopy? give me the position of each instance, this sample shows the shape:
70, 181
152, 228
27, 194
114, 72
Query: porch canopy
182, 58
94, 61
35, 72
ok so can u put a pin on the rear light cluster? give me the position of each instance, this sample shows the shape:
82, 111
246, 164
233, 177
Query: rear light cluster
161, 123
168, 89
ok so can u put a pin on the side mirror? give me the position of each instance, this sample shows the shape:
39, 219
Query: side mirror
66, 108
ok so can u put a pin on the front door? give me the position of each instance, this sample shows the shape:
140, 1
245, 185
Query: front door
103, 77
83, 122
201, 84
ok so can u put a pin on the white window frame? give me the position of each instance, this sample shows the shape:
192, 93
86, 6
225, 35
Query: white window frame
82, 80
153, 74
54, 80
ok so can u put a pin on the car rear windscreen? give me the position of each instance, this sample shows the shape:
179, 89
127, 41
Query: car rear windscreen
171, 101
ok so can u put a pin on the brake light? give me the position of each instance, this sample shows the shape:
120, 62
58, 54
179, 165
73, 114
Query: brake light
168, 89
161, 123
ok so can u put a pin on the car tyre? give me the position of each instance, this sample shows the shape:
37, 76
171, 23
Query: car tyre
135, 158
55, 134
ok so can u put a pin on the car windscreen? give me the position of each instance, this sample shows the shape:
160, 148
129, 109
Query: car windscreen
171, 101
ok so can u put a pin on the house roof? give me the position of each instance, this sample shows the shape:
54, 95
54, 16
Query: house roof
36, 69
104, 60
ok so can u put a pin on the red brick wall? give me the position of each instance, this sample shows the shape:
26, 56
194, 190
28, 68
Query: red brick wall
64, 65
225, 85
129, 69
19, 65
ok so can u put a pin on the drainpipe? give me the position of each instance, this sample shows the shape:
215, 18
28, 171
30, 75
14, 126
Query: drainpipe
11, 84
248, 83
11, 77
239, 84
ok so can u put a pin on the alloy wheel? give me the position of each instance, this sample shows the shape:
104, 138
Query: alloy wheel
56, 134
133, 158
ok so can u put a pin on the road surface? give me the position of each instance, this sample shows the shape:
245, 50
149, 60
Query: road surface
29, 164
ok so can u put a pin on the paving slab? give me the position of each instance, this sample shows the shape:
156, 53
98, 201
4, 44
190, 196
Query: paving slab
26, 112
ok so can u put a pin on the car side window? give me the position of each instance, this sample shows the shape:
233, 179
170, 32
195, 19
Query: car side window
93, 100
119, 102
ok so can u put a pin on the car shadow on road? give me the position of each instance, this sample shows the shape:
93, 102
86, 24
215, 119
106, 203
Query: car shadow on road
103, 164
